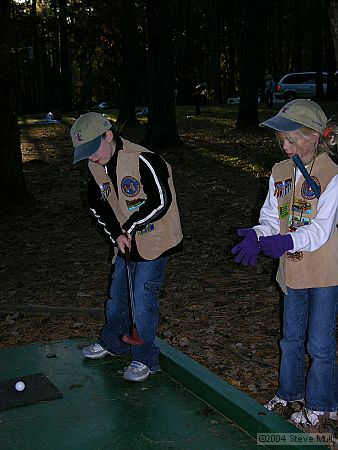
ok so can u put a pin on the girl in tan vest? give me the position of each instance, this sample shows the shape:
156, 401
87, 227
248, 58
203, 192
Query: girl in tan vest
298, 225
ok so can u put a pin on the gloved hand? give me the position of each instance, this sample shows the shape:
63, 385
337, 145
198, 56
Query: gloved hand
275, 246
247, 250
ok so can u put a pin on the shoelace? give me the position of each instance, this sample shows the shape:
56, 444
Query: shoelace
311, 417
306, 414
97, 347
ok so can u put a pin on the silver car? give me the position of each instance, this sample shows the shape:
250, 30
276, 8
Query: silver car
298, 85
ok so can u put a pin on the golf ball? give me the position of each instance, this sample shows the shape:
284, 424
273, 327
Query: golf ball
20, 386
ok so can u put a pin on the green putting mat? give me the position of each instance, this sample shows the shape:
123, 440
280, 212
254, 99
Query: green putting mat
183, 407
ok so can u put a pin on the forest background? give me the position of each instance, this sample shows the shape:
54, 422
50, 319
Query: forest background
67, 55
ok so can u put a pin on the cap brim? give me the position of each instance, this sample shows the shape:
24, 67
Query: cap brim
83, 151
280, 123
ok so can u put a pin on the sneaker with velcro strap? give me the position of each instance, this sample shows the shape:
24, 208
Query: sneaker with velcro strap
306, 417
95, 351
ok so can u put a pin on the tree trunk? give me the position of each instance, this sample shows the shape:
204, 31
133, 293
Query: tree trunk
12, 184
129, 63
214, 38
66, 76
186, 52
37, 80
161, 129
230, 90
331, 92
333, 12
249, 65
317, 46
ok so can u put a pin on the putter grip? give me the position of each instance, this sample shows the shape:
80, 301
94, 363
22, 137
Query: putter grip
127, 254
312, 184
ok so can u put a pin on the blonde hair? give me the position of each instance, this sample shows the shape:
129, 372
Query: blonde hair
326, 142
321, 146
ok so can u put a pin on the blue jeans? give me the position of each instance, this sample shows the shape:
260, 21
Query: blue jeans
309, 318
147, 279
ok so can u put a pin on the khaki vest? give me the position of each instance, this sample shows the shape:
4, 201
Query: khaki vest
156, 237
312, 269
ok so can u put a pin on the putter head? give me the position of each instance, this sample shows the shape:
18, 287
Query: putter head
133, 339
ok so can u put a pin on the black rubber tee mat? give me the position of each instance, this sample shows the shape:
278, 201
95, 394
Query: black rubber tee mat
38, 388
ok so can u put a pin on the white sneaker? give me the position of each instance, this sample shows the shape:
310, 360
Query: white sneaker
277, 402
136, 371
95, 351
307, 417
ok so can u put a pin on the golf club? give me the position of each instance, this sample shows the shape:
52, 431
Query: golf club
133, 338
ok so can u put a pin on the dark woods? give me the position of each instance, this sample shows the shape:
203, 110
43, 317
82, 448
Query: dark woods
66, 56
73, 54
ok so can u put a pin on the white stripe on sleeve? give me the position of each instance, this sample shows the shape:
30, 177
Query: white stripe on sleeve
160, 190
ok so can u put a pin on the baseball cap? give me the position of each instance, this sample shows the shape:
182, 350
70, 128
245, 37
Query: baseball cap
297, 114
86, 134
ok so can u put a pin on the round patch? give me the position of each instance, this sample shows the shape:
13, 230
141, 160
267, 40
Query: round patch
130, 186
295, 257
306, 190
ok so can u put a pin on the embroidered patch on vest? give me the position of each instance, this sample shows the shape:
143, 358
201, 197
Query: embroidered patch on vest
136, 203
147, 228
294, 257
105, 190
306, 190
130, 186
283, 211
301, 206
282, 187
297, 220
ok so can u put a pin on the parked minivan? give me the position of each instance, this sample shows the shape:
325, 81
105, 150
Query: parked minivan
298, 85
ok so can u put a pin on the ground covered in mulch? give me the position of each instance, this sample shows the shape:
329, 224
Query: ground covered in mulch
55, 263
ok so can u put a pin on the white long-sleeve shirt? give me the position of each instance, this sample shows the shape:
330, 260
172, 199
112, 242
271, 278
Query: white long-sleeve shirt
308, 237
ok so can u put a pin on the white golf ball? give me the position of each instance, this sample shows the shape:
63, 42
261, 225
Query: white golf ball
20, 386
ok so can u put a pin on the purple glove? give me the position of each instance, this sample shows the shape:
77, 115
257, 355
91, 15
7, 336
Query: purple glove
275, 246
247, 249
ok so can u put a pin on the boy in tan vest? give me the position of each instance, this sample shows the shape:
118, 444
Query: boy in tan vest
131, 193
298, 225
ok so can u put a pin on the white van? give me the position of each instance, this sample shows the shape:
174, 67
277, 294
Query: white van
298, 85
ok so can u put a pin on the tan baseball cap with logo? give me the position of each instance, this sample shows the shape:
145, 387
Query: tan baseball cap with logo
86, 134
297, 114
